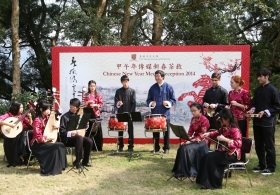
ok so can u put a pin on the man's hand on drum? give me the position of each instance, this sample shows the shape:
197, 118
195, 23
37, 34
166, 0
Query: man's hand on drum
165, 103
153, 104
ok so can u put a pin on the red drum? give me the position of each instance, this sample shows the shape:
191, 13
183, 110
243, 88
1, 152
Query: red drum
114, 125
155, 122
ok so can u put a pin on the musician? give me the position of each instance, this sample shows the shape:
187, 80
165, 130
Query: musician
73, 139
15, 148
160, 99
51, 156
215, 98
190, 152
125, 101
93, 99
240, 102
211, 169
266, 104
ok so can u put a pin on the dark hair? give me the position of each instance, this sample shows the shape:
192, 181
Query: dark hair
90, 82
198, 106
75, 102
41, 106
216, 75
264, 72
14, 109
162, 74
124, 77
226, 114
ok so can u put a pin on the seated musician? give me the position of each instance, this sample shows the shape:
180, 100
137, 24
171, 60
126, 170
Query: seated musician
51, 156
190, 152
15, 148
211, 170
73, 139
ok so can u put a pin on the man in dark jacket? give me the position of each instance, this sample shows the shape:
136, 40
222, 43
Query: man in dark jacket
125, 101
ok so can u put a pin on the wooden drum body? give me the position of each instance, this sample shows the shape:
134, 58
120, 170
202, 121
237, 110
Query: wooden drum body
114, 125
155, 123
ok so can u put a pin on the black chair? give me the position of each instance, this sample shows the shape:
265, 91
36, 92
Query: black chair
247, 145
28, 138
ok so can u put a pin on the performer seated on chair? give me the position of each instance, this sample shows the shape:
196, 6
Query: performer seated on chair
161, 98
125, 100
72, 138
93, 99
15, 148
51, 156
190, 152
211, 169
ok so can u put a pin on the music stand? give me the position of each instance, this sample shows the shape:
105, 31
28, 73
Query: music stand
181, 133
78, 122
130, 117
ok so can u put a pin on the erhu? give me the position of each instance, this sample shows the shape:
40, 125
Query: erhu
80, 112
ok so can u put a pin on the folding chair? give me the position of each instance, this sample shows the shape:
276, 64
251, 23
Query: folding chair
247, 145
28, 138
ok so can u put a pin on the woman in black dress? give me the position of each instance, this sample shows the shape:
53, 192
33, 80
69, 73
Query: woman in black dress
51, 156
211, 169
190, 152
15, 148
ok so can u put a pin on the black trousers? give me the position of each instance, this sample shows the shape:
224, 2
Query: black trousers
211, 169
80, 143
243, 128
265, 148
166, 137
130, 136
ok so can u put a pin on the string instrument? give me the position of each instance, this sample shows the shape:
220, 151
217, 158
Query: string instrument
80, 112
10, 132
50, 131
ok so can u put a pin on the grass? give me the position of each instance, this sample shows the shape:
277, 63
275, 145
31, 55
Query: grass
114, 174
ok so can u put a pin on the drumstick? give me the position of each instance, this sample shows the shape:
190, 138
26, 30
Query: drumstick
120, 98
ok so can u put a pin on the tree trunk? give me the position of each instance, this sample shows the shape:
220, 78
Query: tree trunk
157, 25
15, 46
125, 23
99, 13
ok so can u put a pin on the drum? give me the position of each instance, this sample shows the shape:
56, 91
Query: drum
114, 125
155, 122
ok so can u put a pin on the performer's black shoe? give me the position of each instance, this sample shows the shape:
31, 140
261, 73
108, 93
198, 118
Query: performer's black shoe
129, 150
87, 165
120, 149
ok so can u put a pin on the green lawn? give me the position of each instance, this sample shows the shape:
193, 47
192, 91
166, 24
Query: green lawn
146, 174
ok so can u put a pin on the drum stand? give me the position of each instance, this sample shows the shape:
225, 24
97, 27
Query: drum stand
155, 131
117, 142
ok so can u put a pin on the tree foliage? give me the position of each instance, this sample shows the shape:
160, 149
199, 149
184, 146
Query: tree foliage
45, 23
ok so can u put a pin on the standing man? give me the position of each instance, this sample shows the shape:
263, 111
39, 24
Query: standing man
160, 99
215, 99
125, 101
266, 104
73, 139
